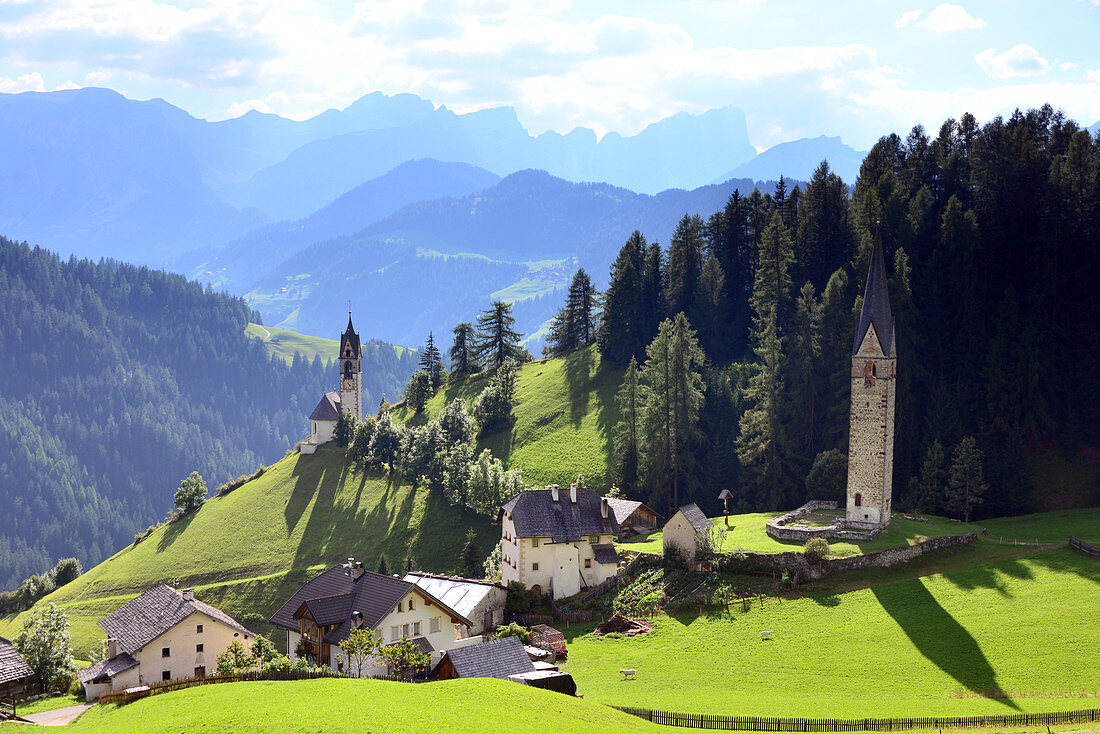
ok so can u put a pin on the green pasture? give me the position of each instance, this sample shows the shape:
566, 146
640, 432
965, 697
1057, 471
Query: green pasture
1016, 635
562, 421
481, 706
249, 549
286, 344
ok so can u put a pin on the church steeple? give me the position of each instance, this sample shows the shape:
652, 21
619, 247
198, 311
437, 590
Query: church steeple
351, 372
876, 304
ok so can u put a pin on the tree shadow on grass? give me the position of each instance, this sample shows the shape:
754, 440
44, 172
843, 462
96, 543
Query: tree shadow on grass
173, 530
940, 638
578, 377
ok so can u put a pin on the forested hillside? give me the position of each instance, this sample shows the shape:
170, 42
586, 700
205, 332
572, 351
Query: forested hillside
115, 382
992, 241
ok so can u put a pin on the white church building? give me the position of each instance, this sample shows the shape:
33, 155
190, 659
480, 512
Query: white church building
348, 399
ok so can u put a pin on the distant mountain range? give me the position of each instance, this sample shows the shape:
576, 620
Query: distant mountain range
90, 172
799, 159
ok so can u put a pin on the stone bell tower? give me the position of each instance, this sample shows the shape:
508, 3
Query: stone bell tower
871, 428
351, 372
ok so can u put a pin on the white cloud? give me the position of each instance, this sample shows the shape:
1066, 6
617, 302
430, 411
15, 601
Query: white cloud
1020, 60
32, 82
909, 16
1094, 74
1068, 65
948, 18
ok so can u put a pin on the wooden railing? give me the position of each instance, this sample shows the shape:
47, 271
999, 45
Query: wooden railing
722, 722
1086, 548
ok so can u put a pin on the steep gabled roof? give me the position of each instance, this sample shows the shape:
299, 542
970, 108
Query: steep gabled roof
536, 514
605, 553
697, 518
373, 595
350, 340
142, 620
624, 508
876, 304
494, 659
12, 664
328, 409
461, 595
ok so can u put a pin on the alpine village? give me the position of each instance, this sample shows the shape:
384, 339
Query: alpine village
544, 432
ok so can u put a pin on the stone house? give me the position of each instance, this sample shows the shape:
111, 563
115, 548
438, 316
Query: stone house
324, 611
14, 672
634, 518
482, 602
683, 530
558, 542
164, 634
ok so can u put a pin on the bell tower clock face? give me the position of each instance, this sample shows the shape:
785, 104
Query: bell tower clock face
348, 383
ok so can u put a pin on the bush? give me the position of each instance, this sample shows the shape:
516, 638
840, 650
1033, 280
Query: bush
817, 550
238, 482
521, 599
513, 630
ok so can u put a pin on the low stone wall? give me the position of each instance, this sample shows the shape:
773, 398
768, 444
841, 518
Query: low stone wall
802, 569
784, 527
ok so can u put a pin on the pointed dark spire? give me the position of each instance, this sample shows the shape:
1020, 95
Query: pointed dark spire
876, 303
350, 339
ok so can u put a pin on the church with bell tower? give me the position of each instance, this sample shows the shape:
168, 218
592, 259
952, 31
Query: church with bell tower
347, 398
871, 421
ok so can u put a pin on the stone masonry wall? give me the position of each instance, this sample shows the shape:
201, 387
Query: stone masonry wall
797, 563
871, 434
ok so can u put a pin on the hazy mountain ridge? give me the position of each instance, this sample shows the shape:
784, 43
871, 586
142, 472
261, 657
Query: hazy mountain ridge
799, 158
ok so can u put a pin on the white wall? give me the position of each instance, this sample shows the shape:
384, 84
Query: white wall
680, 533
560, 565
181, 641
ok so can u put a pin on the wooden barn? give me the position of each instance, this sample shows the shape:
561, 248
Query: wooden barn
14, 675
633, 517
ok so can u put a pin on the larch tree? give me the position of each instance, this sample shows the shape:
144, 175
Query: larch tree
497, 340
630, 399
463, 351
431, 361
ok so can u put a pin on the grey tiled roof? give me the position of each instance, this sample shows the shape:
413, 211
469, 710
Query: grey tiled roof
328, 409
420, 641
106, 668
697, 518
605, 553
461, 595
12, 664
622, 508
330, 609
373, 595
876, 304
537, 515
494, 659
142, 620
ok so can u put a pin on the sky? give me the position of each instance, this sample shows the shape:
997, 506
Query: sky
798, 69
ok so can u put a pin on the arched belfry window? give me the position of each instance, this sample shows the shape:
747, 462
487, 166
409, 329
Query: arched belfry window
859, 499
870, 372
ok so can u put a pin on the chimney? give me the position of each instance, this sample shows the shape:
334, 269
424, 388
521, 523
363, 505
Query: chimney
112, 647
553, 492
573, 493
188, 594
603, 507
357, 619
355, 569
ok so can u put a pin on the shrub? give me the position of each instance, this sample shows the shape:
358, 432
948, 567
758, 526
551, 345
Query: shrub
238, 482
521, 599
817, 550
513, 630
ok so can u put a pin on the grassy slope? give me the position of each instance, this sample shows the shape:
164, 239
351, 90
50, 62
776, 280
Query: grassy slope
285, 343
562, 420
747, 532
248, 550
354, 706
1024, 628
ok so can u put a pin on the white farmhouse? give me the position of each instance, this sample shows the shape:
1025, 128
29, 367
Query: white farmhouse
558, 542
164, 634
324, 611
482, 602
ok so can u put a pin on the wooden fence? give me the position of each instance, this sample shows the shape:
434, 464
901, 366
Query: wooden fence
132, 694
722, 722
1086, 548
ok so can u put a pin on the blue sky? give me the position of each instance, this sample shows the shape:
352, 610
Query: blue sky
854, 69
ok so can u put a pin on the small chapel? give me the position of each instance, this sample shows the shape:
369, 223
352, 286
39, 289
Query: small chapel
348, 398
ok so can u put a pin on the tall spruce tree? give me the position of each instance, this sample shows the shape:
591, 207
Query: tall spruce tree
575, 324
685, 267
674, 400
824, 227
630, 400
497, 341
621, 327
763, 445
431, 361
805, 374
463, 352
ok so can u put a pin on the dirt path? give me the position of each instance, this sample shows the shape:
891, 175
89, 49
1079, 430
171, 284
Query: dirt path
57, 717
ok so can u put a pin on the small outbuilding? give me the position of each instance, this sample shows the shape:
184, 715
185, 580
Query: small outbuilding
494, 659
683, 531
633, 517
14, 673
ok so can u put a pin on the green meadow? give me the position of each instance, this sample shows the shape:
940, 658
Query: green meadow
285, 343
1018, 635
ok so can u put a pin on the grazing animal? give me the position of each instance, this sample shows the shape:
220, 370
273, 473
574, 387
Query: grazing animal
628, 673
766, 635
